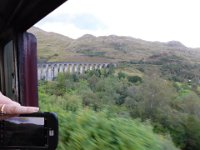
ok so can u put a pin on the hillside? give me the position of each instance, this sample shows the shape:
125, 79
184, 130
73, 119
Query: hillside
155, 84
88, 48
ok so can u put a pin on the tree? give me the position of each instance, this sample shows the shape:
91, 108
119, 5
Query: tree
192, 128
121, 75
150, 98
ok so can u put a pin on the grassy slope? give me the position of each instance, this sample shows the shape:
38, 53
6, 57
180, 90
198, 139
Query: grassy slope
56, 47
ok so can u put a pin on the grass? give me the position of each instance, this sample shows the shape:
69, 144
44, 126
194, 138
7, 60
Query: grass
130, 71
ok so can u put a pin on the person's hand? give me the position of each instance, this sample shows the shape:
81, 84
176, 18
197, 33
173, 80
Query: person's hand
10, 108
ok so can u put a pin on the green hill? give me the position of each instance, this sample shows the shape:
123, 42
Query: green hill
155, 81
56, 47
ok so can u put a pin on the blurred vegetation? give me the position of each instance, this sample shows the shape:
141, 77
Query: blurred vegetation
105, 109
83, 128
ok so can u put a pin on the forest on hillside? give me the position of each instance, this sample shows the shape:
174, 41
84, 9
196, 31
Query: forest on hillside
138, 105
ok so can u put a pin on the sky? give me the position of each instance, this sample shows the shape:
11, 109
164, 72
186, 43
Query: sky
151, 20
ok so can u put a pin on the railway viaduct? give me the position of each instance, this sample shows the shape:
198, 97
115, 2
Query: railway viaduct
48, 71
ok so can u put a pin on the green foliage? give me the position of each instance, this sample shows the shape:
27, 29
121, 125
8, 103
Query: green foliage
192, 133
91, 100
134, 79
57, 87
156, 99
102, 96
189, 104
121, 75
108, 126
91, 53
72, 102
181, 71
171, 109
86, 129
147, 101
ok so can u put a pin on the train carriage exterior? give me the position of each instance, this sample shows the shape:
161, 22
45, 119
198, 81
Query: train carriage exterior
18, 49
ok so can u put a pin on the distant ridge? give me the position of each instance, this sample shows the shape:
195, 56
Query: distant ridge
88, 48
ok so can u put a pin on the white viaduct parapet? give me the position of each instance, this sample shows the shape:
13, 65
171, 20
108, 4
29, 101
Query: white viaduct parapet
48, 71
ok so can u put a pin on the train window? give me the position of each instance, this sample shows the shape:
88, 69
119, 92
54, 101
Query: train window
8, 68
1, 69
17, 69
9, 71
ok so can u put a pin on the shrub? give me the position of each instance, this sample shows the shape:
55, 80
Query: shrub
87, 130
134, 79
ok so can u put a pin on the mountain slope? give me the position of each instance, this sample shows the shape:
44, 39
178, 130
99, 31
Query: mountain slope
88, 48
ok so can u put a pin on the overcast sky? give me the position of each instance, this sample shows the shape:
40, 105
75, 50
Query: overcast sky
152, 20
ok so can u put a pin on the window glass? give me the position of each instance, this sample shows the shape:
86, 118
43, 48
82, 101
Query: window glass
9, 69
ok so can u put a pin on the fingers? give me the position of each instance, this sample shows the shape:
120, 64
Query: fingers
10, 109
6, 100
21, 110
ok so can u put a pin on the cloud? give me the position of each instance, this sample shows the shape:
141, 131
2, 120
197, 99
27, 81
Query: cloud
82, 21
87, 22
154, 20
73, 25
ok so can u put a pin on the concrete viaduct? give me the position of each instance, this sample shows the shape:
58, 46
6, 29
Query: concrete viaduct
48, 71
